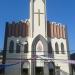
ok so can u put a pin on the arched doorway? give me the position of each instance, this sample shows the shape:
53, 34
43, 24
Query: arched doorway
39, 71
39, 44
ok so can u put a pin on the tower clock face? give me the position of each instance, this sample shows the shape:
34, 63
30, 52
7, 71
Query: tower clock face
39, 46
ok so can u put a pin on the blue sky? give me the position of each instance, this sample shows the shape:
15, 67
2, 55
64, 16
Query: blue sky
61, 11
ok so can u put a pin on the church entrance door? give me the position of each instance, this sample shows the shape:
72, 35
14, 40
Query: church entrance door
24, 71
39, 71
51, 72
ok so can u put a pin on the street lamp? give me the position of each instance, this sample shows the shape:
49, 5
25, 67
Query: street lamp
21, 44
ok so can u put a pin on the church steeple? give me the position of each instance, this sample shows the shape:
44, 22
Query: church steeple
38, 17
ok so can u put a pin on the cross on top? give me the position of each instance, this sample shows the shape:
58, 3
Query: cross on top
38, 16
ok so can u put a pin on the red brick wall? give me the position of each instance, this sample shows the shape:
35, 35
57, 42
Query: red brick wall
18, 29
56, 30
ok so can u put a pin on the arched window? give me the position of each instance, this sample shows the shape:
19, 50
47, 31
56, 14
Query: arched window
11, 47
26, 48
56, 48
62, 48
17, 48
49, 47
39, 46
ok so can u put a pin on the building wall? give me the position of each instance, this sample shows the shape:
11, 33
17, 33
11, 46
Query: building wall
37, 18
15, 58
56, 30
61, 59
1, 59
73, 72
54, 35
57, 34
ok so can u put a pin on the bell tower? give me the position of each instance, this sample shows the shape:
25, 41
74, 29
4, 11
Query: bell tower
38, 17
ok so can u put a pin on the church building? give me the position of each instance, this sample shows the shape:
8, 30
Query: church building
36, 46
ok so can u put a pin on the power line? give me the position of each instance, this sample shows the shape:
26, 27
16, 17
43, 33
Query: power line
41, 51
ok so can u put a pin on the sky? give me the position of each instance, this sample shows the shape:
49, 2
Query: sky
60, 11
